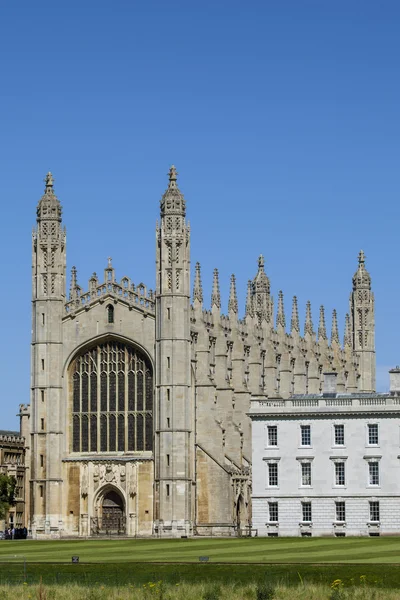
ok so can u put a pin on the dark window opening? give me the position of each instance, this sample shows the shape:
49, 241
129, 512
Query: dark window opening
110, 314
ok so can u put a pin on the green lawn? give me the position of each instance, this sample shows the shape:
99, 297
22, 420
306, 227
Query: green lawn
256, 550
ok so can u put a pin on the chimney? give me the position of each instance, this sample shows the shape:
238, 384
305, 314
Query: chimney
394, 378
329, 388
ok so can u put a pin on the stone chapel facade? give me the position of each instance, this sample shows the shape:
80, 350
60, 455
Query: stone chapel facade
139, 398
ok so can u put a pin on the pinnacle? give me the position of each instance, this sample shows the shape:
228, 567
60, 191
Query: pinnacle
347, 331
335, 330
280, 318
322, 327
361, 257
308, 327
198, 289
249, 301
215, 295
233, 303
294, 324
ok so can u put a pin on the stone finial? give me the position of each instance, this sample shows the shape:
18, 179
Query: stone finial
197, 288
109, 262
321, 326
215, 295
49, 181
308, 327
173, 175
249, 301
335, 329
347, 332
233, 303
280, 317
295, 323
261, 262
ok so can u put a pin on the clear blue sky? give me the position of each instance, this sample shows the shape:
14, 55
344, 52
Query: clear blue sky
281, 117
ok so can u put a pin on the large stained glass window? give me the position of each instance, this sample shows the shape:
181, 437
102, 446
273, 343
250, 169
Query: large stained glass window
112, 403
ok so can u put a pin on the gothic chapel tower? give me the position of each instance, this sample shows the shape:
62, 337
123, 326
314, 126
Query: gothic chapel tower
48, 298
174, 413
363, 325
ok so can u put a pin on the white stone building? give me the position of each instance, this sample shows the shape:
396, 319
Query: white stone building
327, 464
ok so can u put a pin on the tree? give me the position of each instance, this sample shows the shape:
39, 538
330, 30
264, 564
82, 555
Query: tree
7, 493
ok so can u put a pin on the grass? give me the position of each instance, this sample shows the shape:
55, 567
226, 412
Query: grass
163, 591
254, 550
288, 561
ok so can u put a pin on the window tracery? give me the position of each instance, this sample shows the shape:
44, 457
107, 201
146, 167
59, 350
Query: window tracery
112, 400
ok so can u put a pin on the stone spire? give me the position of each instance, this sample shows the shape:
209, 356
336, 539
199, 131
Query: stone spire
308, 327
249, 301
295, 323
280, 317
233, 303
215, 294
173, 202
197, 288
347, 332
335, 329
322, 327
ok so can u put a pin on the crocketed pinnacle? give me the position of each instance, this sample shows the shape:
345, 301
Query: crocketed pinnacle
322, 327
280, 317
197, 288
335, 329
49, 207
249, 300
308, 327
74, 283
215, 294
347, 332
233, 303
361, 278
173, 202
295, 323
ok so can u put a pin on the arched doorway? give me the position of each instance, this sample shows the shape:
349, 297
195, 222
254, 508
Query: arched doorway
113, 518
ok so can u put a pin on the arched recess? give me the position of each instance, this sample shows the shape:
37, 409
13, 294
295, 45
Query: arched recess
110, 510
111, 391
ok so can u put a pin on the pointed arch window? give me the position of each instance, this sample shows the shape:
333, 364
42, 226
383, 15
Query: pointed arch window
110, 313
112, 400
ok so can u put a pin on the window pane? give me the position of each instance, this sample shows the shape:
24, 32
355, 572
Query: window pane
340, 473
374, 511
305, 473
374, 473
305, 435
272, 474
272, 435
340, 511
373, 433
339, 435
306, 506
273, 511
